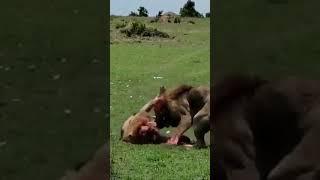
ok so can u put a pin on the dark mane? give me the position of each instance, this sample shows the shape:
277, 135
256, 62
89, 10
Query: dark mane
177, 92
233, 87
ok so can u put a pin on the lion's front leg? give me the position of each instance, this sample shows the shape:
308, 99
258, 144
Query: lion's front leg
184, 125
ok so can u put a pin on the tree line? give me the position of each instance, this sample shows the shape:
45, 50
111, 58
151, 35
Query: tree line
188, 10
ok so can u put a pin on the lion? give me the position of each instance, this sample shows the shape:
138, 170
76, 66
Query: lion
183, 107
140, 128
233, 139
293, 118
274, 123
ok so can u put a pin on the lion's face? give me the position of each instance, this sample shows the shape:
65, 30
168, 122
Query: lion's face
139, 129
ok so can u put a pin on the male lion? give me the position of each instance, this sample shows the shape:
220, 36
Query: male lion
140, 128
273, 123
233, 139
183, 107
290, 110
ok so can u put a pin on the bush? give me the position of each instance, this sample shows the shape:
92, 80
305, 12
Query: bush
140, 29
133, 14
137, 28
207, 14
121, 24
191, 22
150, 32
177, 20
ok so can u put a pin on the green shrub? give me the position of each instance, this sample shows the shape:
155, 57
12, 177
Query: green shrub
154, 20
134, 14
140, 29
121, 24
177, 20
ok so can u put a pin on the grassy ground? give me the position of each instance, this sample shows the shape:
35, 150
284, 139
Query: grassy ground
269, 39
51, 55
134, 65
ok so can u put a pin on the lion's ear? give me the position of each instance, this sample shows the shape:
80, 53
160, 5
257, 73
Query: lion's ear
162, 90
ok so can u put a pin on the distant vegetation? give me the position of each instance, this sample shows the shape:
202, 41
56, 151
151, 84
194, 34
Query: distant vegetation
142, 12
159, 14
138, 65
121, 24
191, 22
177, 20
139, 29
157, 18
136, 28
188, 10
133, 14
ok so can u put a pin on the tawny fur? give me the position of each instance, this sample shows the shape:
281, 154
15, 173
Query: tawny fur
132, 132
179, 107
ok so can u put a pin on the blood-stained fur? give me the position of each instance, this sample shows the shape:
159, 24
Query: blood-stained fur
183, 107
141, 128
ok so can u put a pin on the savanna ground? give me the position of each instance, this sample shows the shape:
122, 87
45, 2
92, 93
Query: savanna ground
270, 38
138, 68
51, 117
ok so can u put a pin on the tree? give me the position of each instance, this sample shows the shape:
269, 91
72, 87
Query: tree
188, 10
143, 12
133, 14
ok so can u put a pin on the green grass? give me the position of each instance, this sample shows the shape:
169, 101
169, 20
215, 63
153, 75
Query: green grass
272, 40
134, 64
39, 141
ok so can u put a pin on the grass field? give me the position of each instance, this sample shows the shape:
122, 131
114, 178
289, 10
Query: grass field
51, 55
135, 64
270, 39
